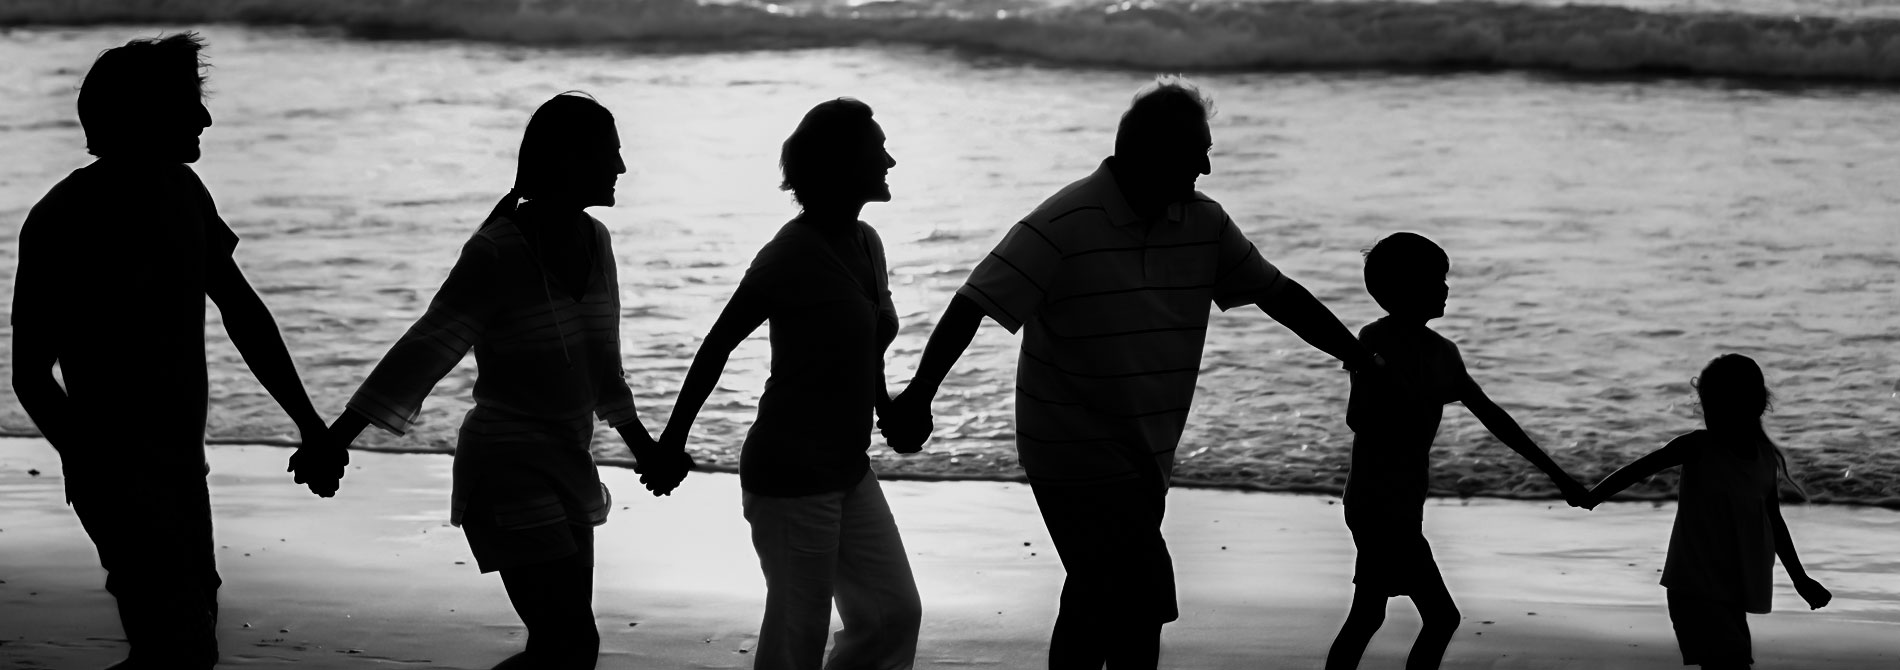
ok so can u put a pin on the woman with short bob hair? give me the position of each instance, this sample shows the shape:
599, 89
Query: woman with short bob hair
823, 285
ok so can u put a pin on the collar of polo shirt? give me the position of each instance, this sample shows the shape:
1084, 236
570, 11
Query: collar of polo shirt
1119, 213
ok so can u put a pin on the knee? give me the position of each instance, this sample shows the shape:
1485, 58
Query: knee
1365, 617
1443, 621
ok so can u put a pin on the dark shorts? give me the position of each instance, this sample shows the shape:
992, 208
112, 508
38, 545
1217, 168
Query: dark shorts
1393, 557
1109, 539
496, 548
1710, 631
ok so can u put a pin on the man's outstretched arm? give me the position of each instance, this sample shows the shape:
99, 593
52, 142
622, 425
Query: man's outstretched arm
1296, 308
907, 425
255, 333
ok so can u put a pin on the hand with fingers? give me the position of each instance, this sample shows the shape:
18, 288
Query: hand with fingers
319, 463
907, 423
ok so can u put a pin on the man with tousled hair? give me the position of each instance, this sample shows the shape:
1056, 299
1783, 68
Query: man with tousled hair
1110, 281
115, 265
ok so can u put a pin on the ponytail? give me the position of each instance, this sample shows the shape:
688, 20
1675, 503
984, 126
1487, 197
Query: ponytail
505, 208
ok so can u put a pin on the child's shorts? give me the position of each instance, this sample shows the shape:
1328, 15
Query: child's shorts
1394, 558
1710, 632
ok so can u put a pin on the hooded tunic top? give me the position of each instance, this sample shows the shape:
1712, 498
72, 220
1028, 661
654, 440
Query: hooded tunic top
545, 361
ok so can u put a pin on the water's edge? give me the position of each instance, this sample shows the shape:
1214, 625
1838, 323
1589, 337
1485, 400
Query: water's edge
1892, 503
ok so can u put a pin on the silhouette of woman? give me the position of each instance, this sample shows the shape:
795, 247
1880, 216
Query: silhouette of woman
819, 520
534, 295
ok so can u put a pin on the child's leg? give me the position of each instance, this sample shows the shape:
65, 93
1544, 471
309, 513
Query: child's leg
1441, 620
1367, 614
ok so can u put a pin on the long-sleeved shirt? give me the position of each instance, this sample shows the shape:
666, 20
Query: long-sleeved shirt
545, 361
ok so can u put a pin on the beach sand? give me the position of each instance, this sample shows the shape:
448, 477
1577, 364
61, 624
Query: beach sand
376, 577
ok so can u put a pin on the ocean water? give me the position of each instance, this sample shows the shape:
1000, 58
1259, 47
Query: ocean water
1625, 191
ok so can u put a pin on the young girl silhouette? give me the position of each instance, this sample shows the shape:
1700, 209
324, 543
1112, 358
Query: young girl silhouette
1728, 517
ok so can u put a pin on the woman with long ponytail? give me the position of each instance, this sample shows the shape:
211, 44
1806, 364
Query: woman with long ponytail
1729, 528
534, 295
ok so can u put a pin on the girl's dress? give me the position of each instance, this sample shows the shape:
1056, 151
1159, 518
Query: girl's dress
1722, 549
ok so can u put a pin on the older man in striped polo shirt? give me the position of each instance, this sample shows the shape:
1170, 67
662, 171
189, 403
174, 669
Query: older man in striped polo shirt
1109, 281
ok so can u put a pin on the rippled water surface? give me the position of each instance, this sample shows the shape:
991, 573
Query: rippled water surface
1607, 236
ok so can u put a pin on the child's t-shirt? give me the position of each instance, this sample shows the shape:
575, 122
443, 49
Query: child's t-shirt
1394, 413
1723, 543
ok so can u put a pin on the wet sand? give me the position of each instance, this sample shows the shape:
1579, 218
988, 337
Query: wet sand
375, 577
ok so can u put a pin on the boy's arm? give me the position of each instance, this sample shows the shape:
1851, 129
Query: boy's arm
255, 333
1810, 590
1500, 423
1671, 455
1296, 308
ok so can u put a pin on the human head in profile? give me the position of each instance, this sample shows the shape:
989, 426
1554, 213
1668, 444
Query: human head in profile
1111, 281
823, 284
145, 101
1729, 529
535, 296
116, 263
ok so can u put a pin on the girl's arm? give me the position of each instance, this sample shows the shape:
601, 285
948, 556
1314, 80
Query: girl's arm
391, 397
1500, 423
1671, 455
1810, 590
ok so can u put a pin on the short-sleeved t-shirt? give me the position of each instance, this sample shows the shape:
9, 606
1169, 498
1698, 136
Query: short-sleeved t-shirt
1722, 546
827, 297
1395, 417
1113, 309
113, 263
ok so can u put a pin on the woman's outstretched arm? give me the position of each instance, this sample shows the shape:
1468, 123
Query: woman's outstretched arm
742, 315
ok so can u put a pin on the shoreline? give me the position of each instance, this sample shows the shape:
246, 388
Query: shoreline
1632, 495
375, 577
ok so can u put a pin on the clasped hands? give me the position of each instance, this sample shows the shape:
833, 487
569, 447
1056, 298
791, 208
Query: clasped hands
906, 423
662, 466
319, 461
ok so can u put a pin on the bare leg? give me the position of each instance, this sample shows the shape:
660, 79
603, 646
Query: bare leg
1441, 620
555, 599
1364, 619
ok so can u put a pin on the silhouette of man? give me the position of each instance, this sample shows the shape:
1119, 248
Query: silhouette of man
115, 265
1110, 281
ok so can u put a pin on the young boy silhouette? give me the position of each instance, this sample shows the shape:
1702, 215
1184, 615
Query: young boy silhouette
1394, 414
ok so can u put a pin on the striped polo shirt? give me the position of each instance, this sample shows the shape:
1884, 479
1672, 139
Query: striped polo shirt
1113, 310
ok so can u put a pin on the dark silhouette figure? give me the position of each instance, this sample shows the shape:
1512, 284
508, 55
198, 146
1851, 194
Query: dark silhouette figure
1394, 417
819, 519
137, 233
1110, 281
534, 295
1728, 518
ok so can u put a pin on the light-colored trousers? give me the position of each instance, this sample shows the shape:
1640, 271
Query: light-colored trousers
843, 545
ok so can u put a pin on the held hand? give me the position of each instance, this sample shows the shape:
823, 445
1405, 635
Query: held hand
1812, 591
662, 465
1575, 494
907, 424
668, 472
319, 463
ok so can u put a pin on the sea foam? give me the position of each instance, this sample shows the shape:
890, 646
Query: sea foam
1221, 36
